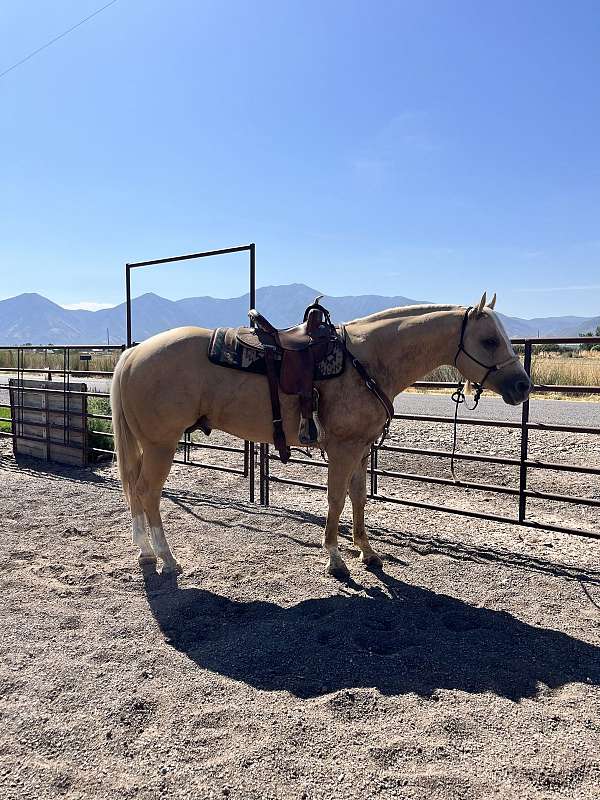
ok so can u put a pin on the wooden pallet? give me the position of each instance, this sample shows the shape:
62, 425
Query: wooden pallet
48, 422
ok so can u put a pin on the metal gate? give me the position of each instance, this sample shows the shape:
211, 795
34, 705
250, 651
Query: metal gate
524, 462
66, 367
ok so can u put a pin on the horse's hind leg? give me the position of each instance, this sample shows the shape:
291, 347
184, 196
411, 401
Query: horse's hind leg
358, 496
156, 465
139, 535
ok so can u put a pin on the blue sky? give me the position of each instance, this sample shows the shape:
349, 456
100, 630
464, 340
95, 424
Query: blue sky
430, 149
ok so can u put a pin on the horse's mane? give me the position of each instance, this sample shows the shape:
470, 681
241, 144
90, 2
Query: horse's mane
403, 311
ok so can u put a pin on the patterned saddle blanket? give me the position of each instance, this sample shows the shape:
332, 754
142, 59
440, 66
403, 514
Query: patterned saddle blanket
242, 348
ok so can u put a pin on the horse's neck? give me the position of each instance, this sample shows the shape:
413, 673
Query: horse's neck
401, 350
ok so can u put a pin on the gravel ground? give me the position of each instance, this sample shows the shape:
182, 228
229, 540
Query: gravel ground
469, 667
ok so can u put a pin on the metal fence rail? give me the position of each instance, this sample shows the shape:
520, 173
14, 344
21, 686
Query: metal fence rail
67, 353
243, 248
186, 445
248, 449
250, 452
50, 353
521, 493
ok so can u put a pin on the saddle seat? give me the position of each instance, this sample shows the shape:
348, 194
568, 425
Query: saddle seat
298, 349
300, 337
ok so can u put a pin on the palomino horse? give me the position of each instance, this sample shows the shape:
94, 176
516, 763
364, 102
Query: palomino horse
165, 384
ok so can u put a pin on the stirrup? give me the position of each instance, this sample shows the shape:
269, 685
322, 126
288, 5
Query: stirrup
311, 431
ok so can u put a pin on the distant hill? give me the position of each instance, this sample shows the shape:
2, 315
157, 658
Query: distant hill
33, 318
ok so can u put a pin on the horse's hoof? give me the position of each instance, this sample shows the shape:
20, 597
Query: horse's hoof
147, 561
172, 569
372, 560
339, 571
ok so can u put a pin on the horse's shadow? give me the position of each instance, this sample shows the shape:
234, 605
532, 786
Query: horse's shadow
410, 640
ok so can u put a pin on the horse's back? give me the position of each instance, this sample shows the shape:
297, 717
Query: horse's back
173, 337
162, 378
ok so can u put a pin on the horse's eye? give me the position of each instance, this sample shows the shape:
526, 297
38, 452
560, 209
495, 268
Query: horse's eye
491, 343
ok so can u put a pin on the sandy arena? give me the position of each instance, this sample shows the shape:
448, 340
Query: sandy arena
468, 668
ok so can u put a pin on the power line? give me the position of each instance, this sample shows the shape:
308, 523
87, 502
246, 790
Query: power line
56, 38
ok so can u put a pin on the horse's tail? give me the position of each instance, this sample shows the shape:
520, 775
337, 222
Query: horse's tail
127, 447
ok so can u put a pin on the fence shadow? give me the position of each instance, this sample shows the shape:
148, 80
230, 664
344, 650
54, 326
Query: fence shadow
399, 639
424, 543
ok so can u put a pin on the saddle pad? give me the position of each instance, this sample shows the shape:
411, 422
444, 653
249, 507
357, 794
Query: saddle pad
226, 350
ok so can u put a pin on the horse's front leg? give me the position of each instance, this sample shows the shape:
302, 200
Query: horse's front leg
358, 496
342, 463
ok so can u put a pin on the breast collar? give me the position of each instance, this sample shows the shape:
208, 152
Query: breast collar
489, 368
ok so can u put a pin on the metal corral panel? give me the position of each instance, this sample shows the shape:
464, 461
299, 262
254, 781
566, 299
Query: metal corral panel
49, 420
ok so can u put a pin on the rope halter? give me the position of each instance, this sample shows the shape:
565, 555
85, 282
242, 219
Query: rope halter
458, 396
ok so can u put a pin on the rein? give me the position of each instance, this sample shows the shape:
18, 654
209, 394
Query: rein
458, 396
374, 388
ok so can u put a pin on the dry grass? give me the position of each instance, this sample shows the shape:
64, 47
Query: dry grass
559, 370
573, 368
52, 358
550, 369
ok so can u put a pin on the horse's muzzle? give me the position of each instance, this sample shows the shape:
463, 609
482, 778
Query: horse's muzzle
517, 391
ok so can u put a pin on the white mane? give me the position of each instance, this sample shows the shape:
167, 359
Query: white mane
404, 311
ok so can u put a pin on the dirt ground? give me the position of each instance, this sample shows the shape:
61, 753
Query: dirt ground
469, 667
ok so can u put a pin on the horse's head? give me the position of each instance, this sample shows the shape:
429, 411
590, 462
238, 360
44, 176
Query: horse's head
486, 356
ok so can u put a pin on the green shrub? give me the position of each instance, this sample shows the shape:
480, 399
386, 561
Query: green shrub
98, 428
5, 427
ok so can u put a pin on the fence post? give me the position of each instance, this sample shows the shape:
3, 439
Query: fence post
373, 472
524, 440
267, 476
376, 476
251, 451
261, 473
46, 401
252, 276
20, 387
264, 474
128, 302
246, 461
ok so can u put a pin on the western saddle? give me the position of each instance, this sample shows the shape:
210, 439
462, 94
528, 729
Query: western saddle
298, 349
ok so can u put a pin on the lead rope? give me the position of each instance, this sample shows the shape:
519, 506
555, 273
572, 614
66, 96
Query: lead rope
458, 398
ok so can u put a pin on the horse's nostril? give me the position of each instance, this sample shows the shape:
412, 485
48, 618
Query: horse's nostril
523, 386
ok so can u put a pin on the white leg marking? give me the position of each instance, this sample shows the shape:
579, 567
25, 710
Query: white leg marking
162, 549
138, 530
337, 565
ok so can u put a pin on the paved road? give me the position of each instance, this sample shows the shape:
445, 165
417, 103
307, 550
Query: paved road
93, 385
550, 411
490, 407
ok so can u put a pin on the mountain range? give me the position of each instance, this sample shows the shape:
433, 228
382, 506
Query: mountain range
31, 318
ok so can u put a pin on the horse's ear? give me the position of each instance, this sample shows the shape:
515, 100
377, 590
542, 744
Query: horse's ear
480, 306
492, 302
